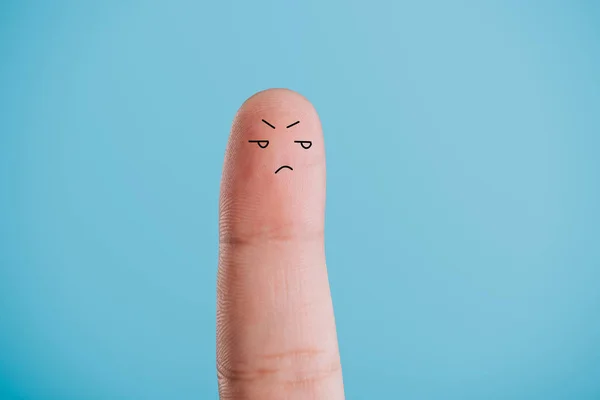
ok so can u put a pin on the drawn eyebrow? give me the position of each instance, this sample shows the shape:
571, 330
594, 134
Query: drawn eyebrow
295, 123
268, 124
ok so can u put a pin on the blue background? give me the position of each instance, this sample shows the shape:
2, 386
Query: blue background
463, 217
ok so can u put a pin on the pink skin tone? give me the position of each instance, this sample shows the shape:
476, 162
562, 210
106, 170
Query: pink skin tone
276, 336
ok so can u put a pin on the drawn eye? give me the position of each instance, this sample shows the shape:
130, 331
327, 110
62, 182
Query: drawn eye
304, 143
261, 143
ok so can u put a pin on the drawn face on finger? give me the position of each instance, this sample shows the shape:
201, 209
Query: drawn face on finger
263, 143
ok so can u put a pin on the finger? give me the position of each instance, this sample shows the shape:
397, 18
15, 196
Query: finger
276, 336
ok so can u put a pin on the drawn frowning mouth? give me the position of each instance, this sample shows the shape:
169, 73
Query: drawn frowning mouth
284, 166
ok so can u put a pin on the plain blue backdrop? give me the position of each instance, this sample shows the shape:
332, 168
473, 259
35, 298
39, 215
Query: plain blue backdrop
463, 215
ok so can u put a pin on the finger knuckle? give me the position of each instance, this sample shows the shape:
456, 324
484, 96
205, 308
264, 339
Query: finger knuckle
296, 368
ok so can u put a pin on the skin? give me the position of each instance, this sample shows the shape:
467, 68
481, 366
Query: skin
276, 336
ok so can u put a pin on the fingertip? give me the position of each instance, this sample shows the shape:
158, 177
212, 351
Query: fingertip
274, 172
